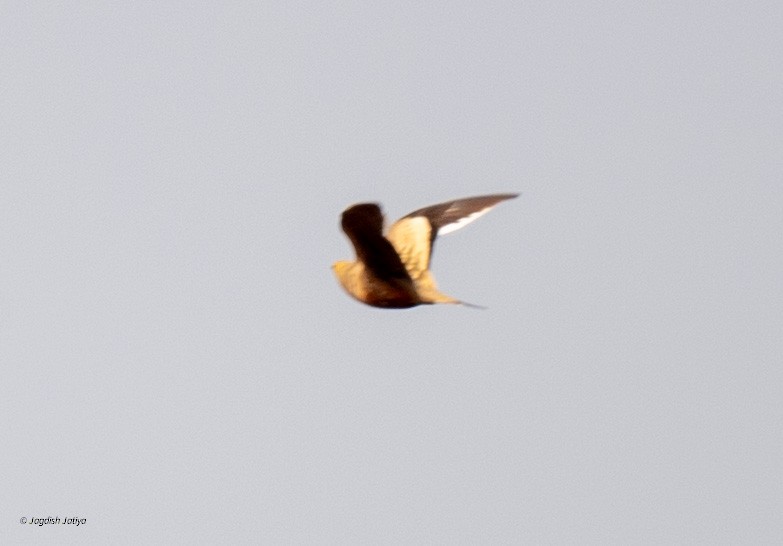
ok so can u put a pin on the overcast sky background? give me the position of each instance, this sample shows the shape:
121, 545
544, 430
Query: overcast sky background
180, 366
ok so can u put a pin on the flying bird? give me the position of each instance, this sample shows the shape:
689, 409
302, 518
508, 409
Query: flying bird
393, 271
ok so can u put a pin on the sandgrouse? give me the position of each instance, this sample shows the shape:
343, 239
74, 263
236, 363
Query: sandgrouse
393, 271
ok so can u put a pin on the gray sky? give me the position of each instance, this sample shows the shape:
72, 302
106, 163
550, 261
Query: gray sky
180, 366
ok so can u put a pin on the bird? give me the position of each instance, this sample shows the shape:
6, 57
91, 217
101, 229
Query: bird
393, 271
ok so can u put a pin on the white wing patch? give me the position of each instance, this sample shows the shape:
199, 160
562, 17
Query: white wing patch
462, 222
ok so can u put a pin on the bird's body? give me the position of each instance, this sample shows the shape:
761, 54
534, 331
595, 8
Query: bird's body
392, 271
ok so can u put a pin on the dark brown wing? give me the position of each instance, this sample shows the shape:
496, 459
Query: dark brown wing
363, 224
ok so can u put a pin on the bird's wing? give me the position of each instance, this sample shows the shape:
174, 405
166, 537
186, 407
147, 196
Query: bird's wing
363, 224
413, 236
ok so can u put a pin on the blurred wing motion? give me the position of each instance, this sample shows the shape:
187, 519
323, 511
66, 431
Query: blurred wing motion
413, 236
364, 226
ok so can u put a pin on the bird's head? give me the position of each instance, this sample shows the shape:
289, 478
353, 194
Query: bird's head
340, 268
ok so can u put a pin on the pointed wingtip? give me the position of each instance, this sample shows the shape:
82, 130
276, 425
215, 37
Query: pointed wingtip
453, 215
